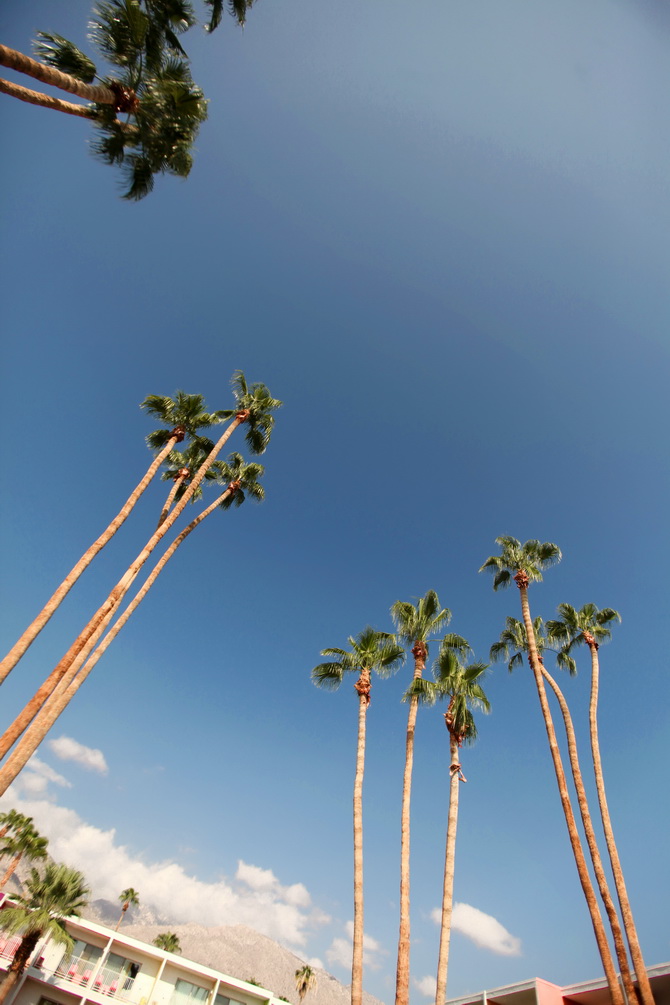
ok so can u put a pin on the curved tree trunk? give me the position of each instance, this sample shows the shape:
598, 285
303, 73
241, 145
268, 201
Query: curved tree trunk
93, 629
619, 883
363, 689
98, 93
449, 865
21, 959
402, 971
167, 506
599, 930
45, 100
33, 630
617, 935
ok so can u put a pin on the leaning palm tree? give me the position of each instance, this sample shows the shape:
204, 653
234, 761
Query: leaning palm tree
415, 624
129, 898
22, 842
512, 645
370, 651
254, 407
461, 684
151, 87
179, 468
168, 941
305, 980
524, 564
59, 893
240, 480
182, 416
590, 626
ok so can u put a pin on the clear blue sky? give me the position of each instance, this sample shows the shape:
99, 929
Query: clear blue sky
440, 235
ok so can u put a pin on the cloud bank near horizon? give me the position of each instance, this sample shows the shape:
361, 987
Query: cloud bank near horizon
253, 897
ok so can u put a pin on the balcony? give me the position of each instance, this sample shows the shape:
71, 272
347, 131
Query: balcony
81, 977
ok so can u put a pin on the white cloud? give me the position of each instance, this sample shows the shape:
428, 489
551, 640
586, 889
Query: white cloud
36, 776
87, 757
426, 985
483, 929
314, 961
255, 897
341, 950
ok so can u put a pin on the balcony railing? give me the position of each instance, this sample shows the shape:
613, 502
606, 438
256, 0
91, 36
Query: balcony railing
107, 981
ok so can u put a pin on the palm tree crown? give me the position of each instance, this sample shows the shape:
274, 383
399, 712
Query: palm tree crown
415, 623
513, 642
305, 979
530, 558
575, 627
185, 415
370, 650
168, 941
254, 404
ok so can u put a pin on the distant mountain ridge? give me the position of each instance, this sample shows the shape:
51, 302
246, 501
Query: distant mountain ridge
235, 950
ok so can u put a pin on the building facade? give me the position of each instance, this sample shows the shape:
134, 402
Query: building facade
105, 967
540, 992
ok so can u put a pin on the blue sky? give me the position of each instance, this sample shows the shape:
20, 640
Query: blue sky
441, 239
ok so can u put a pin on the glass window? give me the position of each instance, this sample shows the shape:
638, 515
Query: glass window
186, 993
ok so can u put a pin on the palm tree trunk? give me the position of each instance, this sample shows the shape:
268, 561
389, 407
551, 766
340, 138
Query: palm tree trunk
402, 969
100, 94
45, 100
616, 994
69, 665
363, 689
11, 869
61, 696
21, 959
33, 630
617, 935
123, 911
619, 883
178, 482
449, 864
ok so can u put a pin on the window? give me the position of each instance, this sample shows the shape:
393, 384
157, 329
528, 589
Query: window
186, 993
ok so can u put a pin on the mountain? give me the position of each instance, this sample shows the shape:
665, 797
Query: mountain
243, 953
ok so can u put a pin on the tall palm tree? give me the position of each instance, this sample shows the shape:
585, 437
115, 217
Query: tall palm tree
305, 980
60, 893
513, 643
22, 842
461, 684
129, 898
168, 941
370, 651
240, 479
415, 624
524, 564
591, 627
254, 407
182, 416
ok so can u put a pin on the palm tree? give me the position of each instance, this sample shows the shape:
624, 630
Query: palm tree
182, 416
60, 893
240, 479
128, 898
590, 626
415, 625
22, 841
168, 941
152, 86
513, 643
370, 651
305, 980
254, 407
12, 820
461, 685
524, 564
